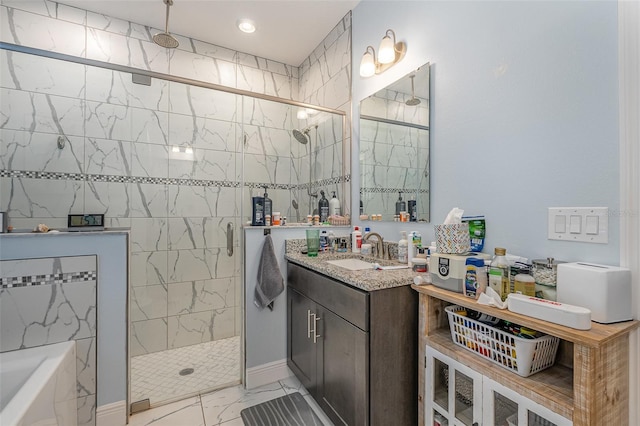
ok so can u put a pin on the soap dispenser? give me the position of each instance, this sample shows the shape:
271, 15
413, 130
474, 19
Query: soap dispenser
268, 205
401, 205
323, 208
334, 205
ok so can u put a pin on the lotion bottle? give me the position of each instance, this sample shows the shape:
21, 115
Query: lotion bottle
403, 247
334, 205
356, 239
268, 204
401, 205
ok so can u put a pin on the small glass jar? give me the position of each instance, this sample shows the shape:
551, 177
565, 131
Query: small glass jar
545, 271
419, 264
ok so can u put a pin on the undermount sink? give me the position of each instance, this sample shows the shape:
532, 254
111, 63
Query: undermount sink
352, 264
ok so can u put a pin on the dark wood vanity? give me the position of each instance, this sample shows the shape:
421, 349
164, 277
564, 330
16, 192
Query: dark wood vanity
355, 351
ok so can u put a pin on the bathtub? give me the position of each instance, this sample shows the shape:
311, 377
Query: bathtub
38, 386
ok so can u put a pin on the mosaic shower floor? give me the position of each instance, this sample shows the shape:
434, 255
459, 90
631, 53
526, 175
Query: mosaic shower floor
157, 376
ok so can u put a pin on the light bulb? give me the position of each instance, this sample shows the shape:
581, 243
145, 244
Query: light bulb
302, 114
246, 26
367, 65
386, 53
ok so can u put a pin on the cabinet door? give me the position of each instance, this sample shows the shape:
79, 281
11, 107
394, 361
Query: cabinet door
453, 392
301, 351
503, 406
342, 369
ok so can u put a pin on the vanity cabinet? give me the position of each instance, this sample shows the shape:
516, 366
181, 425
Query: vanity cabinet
355, 351
587, 386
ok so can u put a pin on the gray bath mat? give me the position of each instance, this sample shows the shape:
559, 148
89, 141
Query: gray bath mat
288, 410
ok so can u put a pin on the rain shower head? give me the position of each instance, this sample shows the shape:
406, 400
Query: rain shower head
413, 101
301, 135
165, 39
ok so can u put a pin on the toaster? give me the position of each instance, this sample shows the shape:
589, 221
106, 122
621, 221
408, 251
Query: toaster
605, 290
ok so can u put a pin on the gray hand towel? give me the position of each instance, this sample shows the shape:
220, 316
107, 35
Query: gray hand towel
270, 281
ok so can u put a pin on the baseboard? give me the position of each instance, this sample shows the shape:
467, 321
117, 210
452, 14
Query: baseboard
267, 373
114, 414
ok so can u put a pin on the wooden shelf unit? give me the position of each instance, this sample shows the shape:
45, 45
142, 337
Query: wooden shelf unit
589, 382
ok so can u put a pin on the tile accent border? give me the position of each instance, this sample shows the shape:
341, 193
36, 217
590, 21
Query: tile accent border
47, 279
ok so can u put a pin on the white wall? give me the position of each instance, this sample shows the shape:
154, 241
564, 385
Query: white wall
524, 112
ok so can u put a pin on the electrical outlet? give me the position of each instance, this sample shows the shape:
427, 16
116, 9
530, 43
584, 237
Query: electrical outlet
580, 224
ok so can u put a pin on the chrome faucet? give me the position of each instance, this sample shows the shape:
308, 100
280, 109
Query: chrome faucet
379, 247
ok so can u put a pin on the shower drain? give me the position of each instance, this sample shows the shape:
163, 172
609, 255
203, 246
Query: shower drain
186, 371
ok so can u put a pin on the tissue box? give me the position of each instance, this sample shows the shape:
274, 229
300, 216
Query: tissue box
605, 290
453, 239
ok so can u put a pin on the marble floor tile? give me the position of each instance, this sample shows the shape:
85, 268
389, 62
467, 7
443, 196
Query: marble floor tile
187, 412
224, 405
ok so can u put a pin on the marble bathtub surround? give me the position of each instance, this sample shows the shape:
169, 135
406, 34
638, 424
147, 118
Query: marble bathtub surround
51, 300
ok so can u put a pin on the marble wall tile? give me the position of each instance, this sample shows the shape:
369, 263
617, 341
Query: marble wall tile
42, 32
115, 87
109, 198
42, 75
204, 164
48, 265
107, 121
202, 102
148, 200
200, 296
87, 410
149, 126
268, 83
203, 68
148, 336
148, 268
266, 65
40, 315
269, 141
50, 9
86, 366
41, 113
262, 112
37, 198
214, 51
202, 201
23, 150
267, 168
107, 157
190, 329
149, 160
206, 133
201, 232
199, 264
148, 234
148, 302
118, 49
118, 26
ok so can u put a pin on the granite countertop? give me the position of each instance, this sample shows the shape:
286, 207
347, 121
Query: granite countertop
368, 279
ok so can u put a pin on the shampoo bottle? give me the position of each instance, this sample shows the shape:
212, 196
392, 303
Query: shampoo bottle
334, 206
356, 239
413, 210
268, 205
323, 208
257, 215
401, 205
403, 247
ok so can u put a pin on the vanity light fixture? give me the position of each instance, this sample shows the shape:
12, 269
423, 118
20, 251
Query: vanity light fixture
390, 53
246, 25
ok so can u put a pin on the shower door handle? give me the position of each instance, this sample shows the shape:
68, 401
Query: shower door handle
229, 239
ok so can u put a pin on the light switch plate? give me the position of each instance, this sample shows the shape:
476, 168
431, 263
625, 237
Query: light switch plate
580, 224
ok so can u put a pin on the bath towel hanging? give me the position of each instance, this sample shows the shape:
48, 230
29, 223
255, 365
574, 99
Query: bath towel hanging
270, 281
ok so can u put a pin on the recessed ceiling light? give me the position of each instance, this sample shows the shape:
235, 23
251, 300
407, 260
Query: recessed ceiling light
246, 25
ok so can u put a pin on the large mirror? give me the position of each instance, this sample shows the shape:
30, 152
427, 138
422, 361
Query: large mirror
394, 150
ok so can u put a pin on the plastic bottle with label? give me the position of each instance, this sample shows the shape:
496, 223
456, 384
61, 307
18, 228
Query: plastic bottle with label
403, 248
356, 239
334, 206
475, 281
323, 208
499, 273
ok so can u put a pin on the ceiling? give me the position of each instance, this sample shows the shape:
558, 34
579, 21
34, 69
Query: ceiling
286, 31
